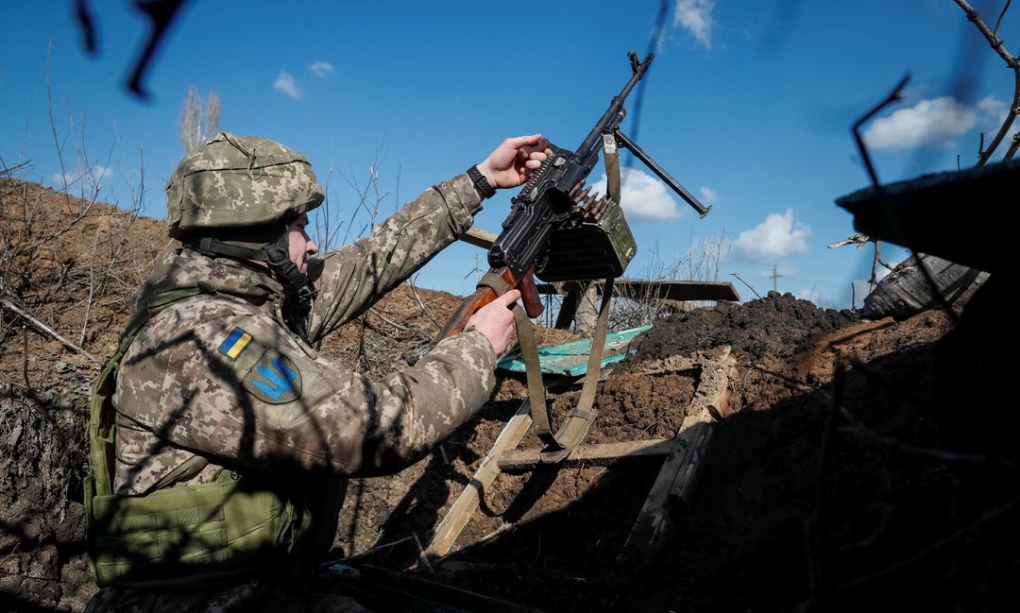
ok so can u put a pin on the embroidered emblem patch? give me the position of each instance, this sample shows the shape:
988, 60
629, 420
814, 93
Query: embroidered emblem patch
235, 343
274, 379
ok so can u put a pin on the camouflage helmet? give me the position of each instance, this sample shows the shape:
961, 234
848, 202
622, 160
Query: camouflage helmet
232, 182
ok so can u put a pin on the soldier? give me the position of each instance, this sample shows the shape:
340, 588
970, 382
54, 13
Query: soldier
221, 441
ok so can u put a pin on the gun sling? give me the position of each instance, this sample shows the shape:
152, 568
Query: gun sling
579, 420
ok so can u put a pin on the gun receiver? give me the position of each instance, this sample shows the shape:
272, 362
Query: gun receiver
552, 220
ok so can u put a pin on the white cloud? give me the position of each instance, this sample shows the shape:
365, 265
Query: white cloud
321, 69
776, 237
709, 196
821, 300
643, 196
695, 16
932, 123
286, 84
991, 106
92, 177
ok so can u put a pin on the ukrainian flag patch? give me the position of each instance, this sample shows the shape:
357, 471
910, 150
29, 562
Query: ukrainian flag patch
235, 343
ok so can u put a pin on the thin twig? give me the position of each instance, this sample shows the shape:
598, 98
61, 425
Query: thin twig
425, 311
756, 294
45, 329
396, 325
893, 96
374, 550
1012, 62
422, 556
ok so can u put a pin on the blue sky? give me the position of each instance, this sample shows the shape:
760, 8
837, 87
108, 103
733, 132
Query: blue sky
748, 105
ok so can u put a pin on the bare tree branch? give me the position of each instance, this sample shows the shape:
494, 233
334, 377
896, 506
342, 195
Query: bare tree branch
44, 328
1012, 63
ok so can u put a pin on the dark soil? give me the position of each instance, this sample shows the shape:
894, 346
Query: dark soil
857, 464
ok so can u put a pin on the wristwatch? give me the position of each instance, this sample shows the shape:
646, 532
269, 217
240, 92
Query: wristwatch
481, 183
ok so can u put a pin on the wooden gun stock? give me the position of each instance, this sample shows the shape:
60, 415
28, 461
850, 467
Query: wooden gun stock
484, 295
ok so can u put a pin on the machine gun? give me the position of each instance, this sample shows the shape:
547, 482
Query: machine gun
556, 230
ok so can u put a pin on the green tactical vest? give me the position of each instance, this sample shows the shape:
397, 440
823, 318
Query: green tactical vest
189, 535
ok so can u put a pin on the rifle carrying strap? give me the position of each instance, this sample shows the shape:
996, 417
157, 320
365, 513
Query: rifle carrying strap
560, 443
579, 420
612, 166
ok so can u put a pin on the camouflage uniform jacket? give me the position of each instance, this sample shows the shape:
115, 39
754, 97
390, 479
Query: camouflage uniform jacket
219, 374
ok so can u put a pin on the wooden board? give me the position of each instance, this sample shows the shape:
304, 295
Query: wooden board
460, 513
643, 290
674, 488
907, 290
520, 459
571, 359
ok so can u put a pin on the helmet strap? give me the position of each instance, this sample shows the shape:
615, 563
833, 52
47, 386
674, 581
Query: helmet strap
275, 253
212, 247
298, 293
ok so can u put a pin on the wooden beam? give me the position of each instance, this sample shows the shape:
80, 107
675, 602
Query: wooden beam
479, 237
674, 487
521, 459
678, 291
460, 513
925, 215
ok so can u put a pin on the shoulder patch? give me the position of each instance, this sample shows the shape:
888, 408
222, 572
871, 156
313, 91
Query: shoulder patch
235, 343
274, 379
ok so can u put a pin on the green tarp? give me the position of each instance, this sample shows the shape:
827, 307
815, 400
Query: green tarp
571, 359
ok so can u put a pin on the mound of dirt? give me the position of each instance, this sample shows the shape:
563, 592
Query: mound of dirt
855, 463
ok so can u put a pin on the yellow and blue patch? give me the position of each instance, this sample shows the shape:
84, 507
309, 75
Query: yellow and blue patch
234, 344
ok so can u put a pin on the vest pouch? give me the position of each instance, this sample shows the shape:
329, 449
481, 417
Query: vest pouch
192, 535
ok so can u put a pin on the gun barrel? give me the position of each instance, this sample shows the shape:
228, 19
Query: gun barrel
609, 119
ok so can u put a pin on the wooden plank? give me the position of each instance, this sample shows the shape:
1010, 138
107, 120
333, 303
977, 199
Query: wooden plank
646, 291
908, 289
693, 446
520, 459
460, 513
677, 480
673, 488
682, 291
479, 237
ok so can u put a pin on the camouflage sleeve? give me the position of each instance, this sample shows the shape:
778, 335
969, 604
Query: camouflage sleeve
220, 381
351, 279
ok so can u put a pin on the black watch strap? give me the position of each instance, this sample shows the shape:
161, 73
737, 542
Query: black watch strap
483, 185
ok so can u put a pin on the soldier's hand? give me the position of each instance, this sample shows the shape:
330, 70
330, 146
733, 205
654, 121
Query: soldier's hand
495, 320
512, 162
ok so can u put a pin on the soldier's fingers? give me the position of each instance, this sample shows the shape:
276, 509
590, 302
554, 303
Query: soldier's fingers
508, 299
